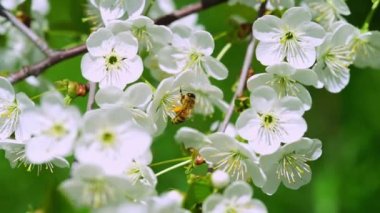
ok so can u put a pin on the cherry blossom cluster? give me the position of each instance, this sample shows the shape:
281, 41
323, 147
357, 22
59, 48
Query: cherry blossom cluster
310, 44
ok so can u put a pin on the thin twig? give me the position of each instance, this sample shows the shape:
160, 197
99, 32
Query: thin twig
56, 57
91, 95
243, 75
37, 69
37, 40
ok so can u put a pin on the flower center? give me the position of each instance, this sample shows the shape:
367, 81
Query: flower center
57, 130
284, 85
287, 37
113, 61
8, 111
97, 193
269, 121
108, 138
293, 167
233, 163
194, 60
339, 58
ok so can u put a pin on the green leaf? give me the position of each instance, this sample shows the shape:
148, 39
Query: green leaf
200, 188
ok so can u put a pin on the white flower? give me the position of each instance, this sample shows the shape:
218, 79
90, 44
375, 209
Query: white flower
40, 6
326, 12
169, 202
148, 34
207, 95
292, 38
90, 186
335, 56
11, 106
289, 164
111, 139
165, 100
15, 153
236, 198
11, 4
142, 181
52, 129
160, 8
226, 154
117, 9
134, 99
287, 81
271, 121
112, 59
367, 50
191, 138
220, 179
192, 53
151, 62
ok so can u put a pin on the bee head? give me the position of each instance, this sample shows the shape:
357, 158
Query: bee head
191, 95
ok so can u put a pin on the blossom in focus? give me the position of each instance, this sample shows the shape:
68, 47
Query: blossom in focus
271, 120
11, 106
287, 81
226, 154
335, 56
191, 52
293, 38
111, 60
288, 165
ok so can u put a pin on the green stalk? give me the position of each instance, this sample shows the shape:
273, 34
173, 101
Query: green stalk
224, 51
170, 161
173, 167
368, 20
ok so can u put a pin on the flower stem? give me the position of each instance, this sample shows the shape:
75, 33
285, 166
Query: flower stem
368, 20
173, 167
224, 51
170, 161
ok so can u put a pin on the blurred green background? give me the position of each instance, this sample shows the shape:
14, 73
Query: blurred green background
345, 179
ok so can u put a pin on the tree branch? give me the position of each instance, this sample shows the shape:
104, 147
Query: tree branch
37, 40
57, 57
38, 68
243, 75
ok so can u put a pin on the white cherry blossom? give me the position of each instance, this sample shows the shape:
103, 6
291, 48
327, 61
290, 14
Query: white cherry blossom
226, 154
287, 81
11, 106
271, 120
111, 140
293, 38
288, 165
191, 53
111, 60
335, 56
326, 12
51, 129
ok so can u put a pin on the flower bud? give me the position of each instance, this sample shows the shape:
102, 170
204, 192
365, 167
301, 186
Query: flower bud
220, 179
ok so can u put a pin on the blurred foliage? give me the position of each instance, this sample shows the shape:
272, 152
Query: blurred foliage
346, 178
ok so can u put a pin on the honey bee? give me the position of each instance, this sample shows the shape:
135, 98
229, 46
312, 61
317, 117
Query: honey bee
184, 111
